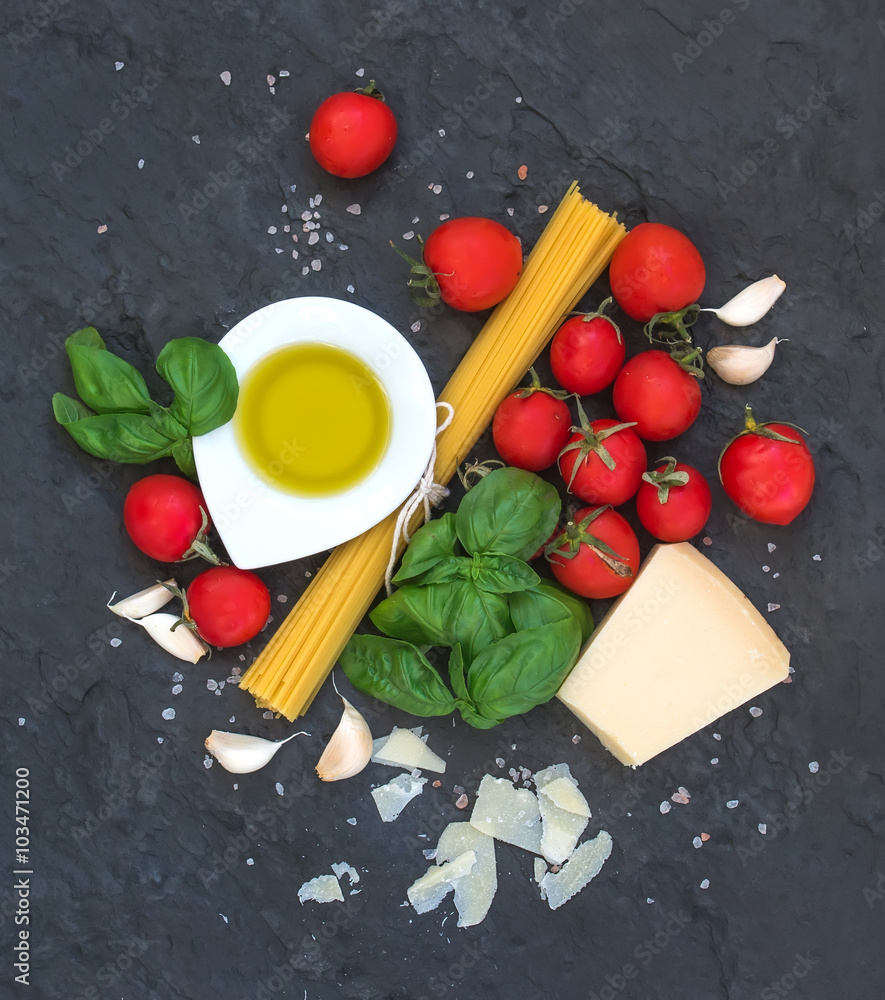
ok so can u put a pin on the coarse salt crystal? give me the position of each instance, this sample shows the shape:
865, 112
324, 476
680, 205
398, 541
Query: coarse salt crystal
207, 762
704, 837
267, 715
771, 546
141, 164
313, 239
437, 188
415, 221
272, 230
773, 607
282, 598
271, 80
287, 229
102, 228
159, 739
305, 269
443, 217
665, 807
118, 66
814, 767
697, 842
316, 264
250, 861
196, 139
717, 736
21, 722
280, 789
714, 760
766, 569
353, 209
519, 100
707, 540
469, 175
755, 712
177, 676
329, 237
523, 172
416, 326
277, 249
225, 78
775, 576
350, 289
510, 211
461, 802
283, 73
361, 71
762, 828
316, 215
816, 557
732, 803
306, 216
343, 246
576, 739
410, 235
211, 684
177, 689
352, 821
295, 255
116, 642
542, 209
442, 132
284, 208
499, 761
705, 884
168, 714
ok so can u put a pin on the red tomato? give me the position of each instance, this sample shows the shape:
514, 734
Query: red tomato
531, 427
584, 466
582, 564
228, 605
352, 134
164, 518
587, 352
475, 261
671, 510
658, 394
771, 479
655, 269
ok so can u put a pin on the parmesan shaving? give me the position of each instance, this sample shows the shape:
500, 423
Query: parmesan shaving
474, 891
322, 889
403, 748
564, 812
583, 866
393, 797
431, 889
508, 814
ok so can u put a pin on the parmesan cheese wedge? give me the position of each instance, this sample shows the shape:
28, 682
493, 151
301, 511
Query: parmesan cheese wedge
393, 797
583, 866
679, 649
474, 891
402, 748
508, 814
431, 889
564, 812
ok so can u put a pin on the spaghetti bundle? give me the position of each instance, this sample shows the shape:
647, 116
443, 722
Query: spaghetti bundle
571, 253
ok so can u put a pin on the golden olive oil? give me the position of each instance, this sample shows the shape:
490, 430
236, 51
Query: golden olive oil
312, 419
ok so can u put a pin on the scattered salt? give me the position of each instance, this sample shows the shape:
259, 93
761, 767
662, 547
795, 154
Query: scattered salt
519, 100
776, 575
814, 767
177, 676
250, 861
766, 569
313, 239
225, 78
437, 189
211, 684
353, 209
755, 712
168, 714
207, 762
704, 837
410, 235
352, 821
102, 228
267, 715
523, 172
196, 139
762, 828
732, 803
707, 540
305, 216
714, 760
316, 264
816, 557
705, 884
282, 598
697, 842
469, 175
329, 237
510, 211
279, 788
118, 66
665, 807
177, 689
272, 230
116, 642
361, 71
717, 736
542, 209
649, 900
771, 546
271, 80
416, 326
305, 269
283, 73
461, 802
350, 289
21, 722
773, 607
141, 164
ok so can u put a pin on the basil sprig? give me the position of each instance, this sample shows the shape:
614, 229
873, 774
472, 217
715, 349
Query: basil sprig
118, 420
465, 583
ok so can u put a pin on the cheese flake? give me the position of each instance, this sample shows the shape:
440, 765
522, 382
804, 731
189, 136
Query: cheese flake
509, 814
474, 891
564, 812
393, 797
322, 889
583, 866
402, 748
431, 889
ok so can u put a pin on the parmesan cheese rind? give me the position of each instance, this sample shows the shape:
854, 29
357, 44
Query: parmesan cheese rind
393, 797
508, 814
581, 867
322, 889
431, 889
402, 748
475, 891
564, 812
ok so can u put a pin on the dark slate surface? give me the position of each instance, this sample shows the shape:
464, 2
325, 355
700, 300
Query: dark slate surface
760, 137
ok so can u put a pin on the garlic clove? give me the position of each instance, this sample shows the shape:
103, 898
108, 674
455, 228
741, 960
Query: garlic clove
752, 303
738, 364
183, 642
349, 749
242, 754
145, 602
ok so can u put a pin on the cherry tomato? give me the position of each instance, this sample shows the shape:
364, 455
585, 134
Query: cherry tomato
591, 450
228, 605
352, 134
530, 427
655, 269
164, 518
674, 501
587, 352
475, 261
581, 561
768, 471
658, 394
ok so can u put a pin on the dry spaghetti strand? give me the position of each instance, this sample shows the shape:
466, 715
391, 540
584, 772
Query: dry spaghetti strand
571, 253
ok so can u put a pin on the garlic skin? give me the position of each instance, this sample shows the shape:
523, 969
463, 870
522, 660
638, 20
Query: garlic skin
145, 602
183, 642
751, 304
349, 749
241, 754
741, 365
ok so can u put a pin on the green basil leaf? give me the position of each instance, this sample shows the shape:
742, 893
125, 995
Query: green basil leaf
204, 381
183, 453
448, 570
523, 670
67, 410
122, 437
474, 618
509, 512
473, 718
397, 673
503, 574
456, 674
87, 337
549, 602
430, 543
106, 383
165, 423
415, 614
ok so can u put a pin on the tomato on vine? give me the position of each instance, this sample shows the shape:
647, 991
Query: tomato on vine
228, 606
597, 555
657, 394
587, 352
768, 471
531, 426
674, 501
165, 516
353, 133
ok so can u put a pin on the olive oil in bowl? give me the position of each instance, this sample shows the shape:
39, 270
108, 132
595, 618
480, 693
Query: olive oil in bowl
312, 420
